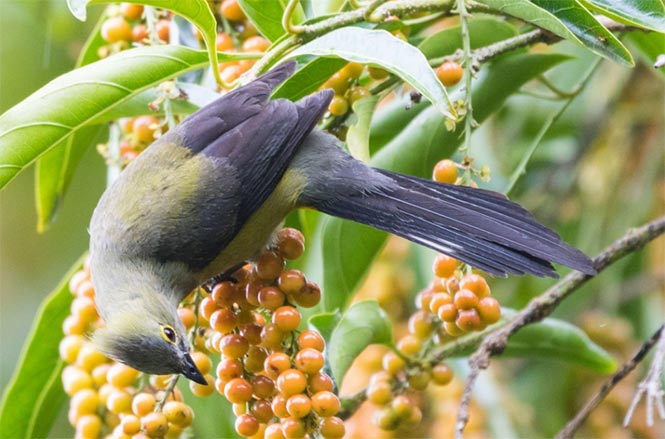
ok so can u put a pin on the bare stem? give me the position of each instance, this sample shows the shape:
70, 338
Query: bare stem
569, 430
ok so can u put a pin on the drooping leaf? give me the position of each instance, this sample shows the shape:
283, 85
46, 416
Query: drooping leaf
382, 49
198, 12
363, 324
84, 96
34, 396
649, 14
308, 78
567, 19
267, 16
347, 248
357, 137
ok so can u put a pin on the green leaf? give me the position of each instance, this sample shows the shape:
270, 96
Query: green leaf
198, 12
55, 169
556, 339
349, 248
567, 19
649, 46
323, 7
324, 323
308, 78
382, 49
357, 138
649, 14
84, 96
34, 396
363, 324
267, 16
550, 339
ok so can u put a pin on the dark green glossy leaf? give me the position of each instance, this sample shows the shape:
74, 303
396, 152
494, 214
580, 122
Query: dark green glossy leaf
198, 12
84, 96
267, 16
349, 248
382, 49
482, 32
649, 46
308, 78
649, 14
34, 396
567, 19
357, 138
363, 324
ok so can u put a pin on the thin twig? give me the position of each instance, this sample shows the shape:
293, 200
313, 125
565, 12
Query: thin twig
574, 424
543, 305
652, 386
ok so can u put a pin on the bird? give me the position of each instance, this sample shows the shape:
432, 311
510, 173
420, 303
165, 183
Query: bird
209, 195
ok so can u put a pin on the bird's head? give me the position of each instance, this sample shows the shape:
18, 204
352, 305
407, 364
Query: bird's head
148, 335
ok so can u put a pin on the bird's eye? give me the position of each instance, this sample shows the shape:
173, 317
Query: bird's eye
168, 333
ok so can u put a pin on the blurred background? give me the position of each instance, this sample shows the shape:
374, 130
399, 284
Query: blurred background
599, 171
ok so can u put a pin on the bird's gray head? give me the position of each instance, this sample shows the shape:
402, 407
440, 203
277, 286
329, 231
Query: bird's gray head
148, 335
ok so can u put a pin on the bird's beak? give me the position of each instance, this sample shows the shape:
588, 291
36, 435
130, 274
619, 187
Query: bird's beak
191, 372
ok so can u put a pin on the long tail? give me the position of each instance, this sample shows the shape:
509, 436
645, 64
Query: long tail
479, 227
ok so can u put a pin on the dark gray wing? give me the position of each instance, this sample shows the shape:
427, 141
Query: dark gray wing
250, 141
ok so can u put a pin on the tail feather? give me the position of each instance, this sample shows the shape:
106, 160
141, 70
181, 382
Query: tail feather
479, 227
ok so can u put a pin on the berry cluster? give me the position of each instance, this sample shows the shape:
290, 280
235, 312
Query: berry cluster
108, 397
347, 89
126, 26
270, 372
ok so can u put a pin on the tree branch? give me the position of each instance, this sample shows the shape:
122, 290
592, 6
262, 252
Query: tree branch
569, 430
543, 305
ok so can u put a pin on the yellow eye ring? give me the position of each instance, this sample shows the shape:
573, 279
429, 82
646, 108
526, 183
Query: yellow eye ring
168, 334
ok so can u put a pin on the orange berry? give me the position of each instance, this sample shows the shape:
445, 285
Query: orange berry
419, 380
338, 106
452, 329
293, 428
421, 324
339, 82
325, 403
89, 358
155, 424
291, 281
475, 283
262, 387
489, 310
379, 392
409, 345
202, 361
255, 44
251, 332
309, 360
230, 9
298, 405
444, 266
291, 381
276, 363
278, 406
286, 318
223, 41
69, 347
234, 346
442, 374
116, 29
246, 425
290, 243
238, 391
332, 428
261, 410
449, 73
255, 359
86, 288
140, 33
223, 320
77, 279
311, 339
447, 313
144, 128
73, 325
85, 402
88, 426
120, 375
468, 320
424, 298
178, 413
438, 300
452, 285
229, 368
272, 336
269, 266
392, 363
352, 70
271, 297
203, 390
119, 401
131, 11
187, 317
163, 29
99, 374
131, 424
225, 294
274, 431
403, 405
320, 382
143, 403
465, 299
309, 296
445, 171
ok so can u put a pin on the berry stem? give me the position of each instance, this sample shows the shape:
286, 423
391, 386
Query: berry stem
467, 59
